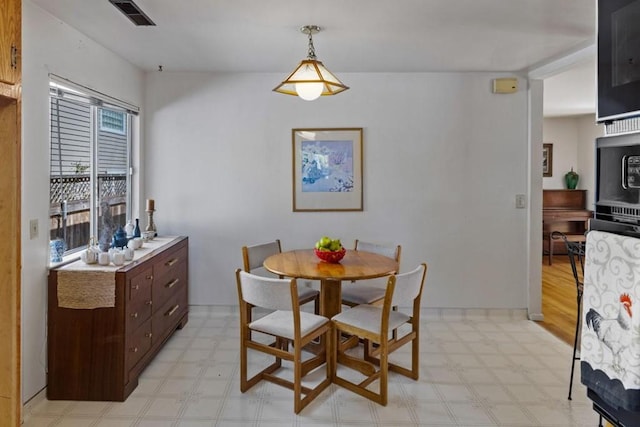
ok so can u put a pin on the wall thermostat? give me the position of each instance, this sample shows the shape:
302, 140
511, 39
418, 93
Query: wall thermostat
505, 85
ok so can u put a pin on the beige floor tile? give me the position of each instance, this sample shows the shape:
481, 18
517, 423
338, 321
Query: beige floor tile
164, 407
203, 408
477, 368
116, 422
32, 420
131, 407
433, 413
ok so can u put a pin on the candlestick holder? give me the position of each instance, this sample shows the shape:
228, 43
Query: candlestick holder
150, 224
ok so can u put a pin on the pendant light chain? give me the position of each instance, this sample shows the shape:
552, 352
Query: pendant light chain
311, 54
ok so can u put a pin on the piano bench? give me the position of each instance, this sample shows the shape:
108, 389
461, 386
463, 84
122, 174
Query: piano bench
570, 237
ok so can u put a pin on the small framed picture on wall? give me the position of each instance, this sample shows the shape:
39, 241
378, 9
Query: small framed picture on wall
547, 160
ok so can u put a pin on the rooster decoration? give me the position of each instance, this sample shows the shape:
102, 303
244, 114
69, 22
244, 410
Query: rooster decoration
615, 333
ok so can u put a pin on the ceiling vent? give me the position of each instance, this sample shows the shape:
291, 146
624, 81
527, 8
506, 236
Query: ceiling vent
132, 11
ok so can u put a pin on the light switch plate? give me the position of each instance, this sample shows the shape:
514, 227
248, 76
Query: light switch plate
33, 229
521, 201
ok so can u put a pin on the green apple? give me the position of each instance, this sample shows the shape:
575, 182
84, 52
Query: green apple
335, 245
325, 241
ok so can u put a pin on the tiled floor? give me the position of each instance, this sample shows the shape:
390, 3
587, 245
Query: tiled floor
478, 368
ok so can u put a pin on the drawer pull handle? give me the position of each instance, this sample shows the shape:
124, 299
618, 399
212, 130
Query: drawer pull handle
135, 287
173, 310
148, 335
134, 315
171, 284
149, 302
134, 350
150, 277
171, 262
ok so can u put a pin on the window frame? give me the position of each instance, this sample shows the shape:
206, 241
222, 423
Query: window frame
97, 103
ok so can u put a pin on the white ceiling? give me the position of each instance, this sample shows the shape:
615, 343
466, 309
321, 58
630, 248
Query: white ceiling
357, 35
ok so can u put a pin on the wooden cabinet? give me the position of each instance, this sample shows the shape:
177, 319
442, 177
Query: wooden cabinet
99, 353
10, 38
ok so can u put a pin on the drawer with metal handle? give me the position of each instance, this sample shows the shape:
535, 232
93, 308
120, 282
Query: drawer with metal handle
168, 284
138, 343
139, 286
170, 261
166, 318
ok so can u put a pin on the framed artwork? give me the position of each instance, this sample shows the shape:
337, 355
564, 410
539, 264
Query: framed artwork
327, 169
547, 159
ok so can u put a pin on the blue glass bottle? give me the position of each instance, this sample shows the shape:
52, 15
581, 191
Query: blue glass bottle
136, 231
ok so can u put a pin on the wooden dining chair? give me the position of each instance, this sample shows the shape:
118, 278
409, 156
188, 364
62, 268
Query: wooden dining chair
369, 291
286, 324
374, 324
253, 257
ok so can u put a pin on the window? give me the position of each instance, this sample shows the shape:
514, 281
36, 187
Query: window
113, 121
90, 162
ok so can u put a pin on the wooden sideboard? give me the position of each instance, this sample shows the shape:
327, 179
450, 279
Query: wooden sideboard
98, 353
564, 211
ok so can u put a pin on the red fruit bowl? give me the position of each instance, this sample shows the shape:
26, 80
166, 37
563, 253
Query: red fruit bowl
332, 257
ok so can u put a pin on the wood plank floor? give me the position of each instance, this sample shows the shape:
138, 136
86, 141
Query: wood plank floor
559, 304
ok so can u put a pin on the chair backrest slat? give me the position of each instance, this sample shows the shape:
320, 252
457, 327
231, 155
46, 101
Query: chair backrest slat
408, 286
392, 252
266, 292
254, 256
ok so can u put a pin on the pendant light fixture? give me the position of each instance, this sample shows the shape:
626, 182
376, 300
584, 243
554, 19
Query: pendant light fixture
311, 79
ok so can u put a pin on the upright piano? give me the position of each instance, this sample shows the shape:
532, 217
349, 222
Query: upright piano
564, 211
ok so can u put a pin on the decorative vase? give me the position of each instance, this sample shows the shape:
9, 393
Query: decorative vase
56, 249
108, 227
571, 178
136, 231
129, 228
119, 238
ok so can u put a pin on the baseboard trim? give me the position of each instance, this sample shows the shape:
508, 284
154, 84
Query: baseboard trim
33, 402
536, 317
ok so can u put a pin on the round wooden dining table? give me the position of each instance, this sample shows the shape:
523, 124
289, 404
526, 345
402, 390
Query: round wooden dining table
356, 265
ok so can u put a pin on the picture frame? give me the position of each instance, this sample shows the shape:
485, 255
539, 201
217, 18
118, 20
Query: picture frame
327, 169
547, 160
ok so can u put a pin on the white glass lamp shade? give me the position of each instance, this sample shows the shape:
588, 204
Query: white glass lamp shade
311, 80
307, 87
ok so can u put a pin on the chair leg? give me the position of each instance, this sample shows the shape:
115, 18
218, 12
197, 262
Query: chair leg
297, 379
575, 347
415, 356
384, 374
243, 366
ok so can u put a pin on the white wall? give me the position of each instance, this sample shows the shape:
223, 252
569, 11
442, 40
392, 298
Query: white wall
50, 46
562, 132
443, 160
588, 131
573, 140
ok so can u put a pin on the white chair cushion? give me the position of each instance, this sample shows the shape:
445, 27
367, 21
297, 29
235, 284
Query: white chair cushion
361, 293
280, 323
369, 318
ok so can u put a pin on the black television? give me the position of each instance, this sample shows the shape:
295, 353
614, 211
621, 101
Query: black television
618, 57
